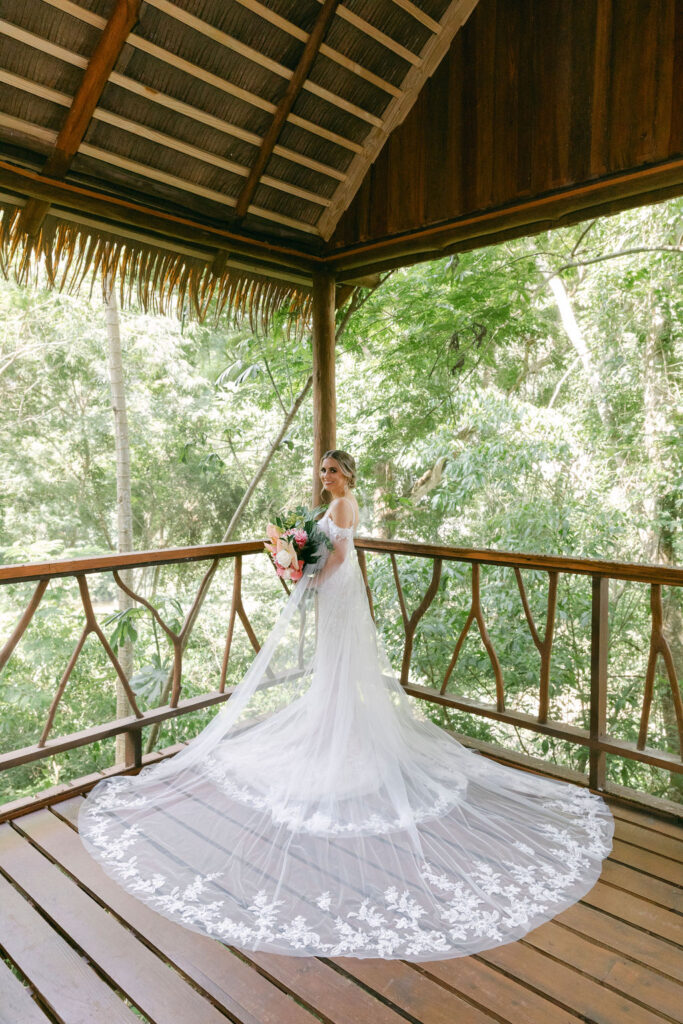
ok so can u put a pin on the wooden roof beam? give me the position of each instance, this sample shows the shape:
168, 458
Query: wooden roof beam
170, 226
100, 66
284, 107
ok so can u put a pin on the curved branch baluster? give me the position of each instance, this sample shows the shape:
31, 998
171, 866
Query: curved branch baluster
91, 626
659, 645
237, 608
364, 570
20, 627
175, 638
545, 645
411, 623
477, 614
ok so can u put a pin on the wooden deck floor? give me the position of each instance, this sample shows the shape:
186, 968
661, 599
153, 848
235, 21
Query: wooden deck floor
77, 949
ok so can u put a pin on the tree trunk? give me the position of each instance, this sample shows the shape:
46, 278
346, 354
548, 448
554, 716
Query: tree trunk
575, 335
385, 514
124, 514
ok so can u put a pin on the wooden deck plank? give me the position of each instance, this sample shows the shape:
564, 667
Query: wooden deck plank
648, 839
155, 990
607, 968
505, 999
650, 863
637, 911
648, 821
623, 877
16, 1003
573, 990
331, 995
415, 994
210, 965
60, 975
624, 938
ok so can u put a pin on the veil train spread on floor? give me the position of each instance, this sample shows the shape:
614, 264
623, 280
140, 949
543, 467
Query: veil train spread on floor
319, 813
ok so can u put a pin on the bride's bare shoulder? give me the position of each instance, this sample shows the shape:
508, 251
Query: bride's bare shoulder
343, 511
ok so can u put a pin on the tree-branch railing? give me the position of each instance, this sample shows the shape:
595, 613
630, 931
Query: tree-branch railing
595, 738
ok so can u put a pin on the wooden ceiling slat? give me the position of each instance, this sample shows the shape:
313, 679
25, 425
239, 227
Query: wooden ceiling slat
154, 96
380, 37
38, 43
418, 14
190, 186
233, 90
326, 51
206, 29
455, 17
48, 136
203, 117
171, 142
295, 86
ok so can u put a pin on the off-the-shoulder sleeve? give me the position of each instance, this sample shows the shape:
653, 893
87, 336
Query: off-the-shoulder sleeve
342, 539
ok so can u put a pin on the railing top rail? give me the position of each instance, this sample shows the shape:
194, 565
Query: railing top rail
131, 560
639, 573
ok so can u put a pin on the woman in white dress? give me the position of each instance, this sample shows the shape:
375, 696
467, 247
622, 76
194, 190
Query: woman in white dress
319, 813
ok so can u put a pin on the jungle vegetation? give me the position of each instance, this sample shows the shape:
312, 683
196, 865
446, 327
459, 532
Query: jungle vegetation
526, 397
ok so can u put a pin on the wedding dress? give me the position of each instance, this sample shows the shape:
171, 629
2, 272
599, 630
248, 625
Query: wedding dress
320, 813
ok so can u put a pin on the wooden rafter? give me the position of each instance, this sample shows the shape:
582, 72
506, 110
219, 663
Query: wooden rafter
418, 14
296, 84
430, 58
99, 67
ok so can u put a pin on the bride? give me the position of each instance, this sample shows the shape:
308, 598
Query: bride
319, 813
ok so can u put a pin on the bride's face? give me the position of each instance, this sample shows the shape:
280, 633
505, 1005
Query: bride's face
333, 479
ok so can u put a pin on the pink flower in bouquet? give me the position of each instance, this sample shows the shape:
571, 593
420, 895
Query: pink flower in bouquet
274, 535
300, 537
296, 573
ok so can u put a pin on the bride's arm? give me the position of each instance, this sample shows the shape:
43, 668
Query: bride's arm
342, 514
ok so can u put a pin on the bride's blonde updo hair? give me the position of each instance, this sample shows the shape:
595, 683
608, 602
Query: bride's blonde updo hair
347, 464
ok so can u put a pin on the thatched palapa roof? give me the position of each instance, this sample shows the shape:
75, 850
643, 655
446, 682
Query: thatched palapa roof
232, 149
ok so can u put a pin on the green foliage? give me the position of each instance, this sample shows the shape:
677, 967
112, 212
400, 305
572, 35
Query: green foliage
475, 420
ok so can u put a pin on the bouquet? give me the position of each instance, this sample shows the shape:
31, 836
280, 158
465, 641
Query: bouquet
295, 540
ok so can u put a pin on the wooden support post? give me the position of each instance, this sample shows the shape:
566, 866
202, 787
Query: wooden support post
324, 394
598, 709
132, 757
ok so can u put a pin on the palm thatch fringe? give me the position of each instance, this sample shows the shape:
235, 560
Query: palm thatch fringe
160, 280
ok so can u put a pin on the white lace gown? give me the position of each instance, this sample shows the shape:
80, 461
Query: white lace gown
320, 813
